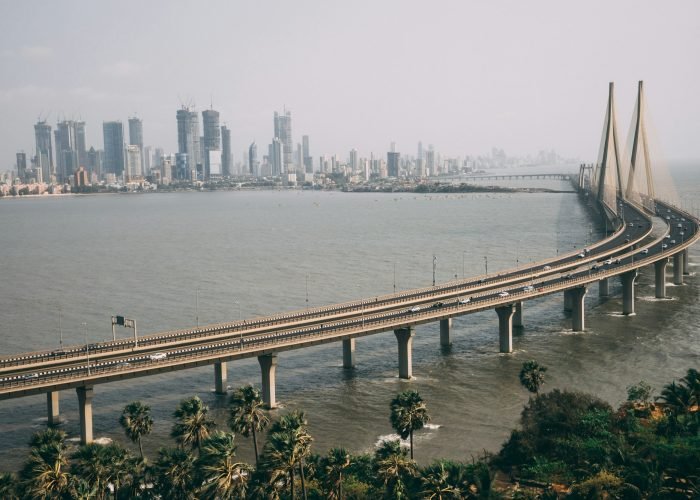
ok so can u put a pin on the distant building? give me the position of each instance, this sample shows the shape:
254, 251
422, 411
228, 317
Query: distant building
252, 158
283, 131
354, 160
81, 177
308, 159
392, 163
70, 148
188, 139
44, 150
226, 158
430, 163
22, 165
94, 162
136, 137
211, 140
276, 157
113, 133
133, 162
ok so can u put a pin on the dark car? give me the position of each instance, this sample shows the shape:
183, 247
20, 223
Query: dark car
437, 305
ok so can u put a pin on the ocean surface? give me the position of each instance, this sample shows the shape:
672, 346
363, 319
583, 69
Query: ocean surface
166, 259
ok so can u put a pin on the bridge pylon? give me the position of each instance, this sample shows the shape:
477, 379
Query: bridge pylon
607, 178
640, 184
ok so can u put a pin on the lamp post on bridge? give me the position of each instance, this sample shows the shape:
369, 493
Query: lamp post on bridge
307, 290
486, 264
60, 328
87, 347
434, 267
463, 252
196, 306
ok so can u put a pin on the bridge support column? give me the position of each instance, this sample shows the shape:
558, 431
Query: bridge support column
518, 316
678, 269
85, 394
628, 279
578, 296
604, 287
404, 336
348, 353
660, 275
52, 407
505, 327
220, 385
568, 301
445, 327
268, 364
686, 270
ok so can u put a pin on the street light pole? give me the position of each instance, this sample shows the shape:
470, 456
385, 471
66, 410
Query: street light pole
60, 327
486, 264
434, 266
463, 252
394, 277
307, 290
87, 348
196, 306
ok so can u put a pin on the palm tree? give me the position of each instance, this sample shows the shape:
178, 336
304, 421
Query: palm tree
393, 468
101, 465
336, 462
175, 474
80, 489
532, 376
137, 422
224, 477
8, 486
45, 472
246, 414
677, 398
47, 436
436, 482
193, 423
287, 445
408, 414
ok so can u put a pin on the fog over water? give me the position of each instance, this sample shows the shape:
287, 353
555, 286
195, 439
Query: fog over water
146, 255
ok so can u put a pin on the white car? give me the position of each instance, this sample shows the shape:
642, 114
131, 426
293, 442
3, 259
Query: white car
645, 251
528, 288
158, 356
581, 255
503, 294
465, 301
668, 236
547, 268
609, 262
414, 309
664, 245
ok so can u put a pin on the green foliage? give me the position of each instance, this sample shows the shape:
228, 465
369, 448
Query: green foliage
532, 376
639, 393
246, 415
193, 424
408, 413
137, 422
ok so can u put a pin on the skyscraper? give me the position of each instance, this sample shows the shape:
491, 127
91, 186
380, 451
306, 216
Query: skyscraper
283, 131
226, 159
276, 157
308, 160
354, 160
44, 151
392, 163
22, 165
211, 140
67, 157
252, 158
94, 162
113, 133
133, 162
136, 136
188, 140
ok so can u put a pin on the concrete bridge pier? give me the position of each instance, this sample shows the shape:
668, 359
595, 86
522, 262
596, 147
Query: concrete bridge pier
268, 364
220, 378
404, 336
52, 407
578, 296
348, 353
604, 288
660, 277
628, 279
445, 327
678, 269
518, 316
85, 395
686, 271
568, 301
505, 327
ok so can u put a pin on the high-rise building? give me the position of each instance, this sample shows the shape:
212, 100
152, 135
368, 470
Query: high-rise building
94, 162
133, 162
81, 178
113, 161
80, 143
354, 160
211, 140
136, 136
276, 157
252, 158
308, 159
420, 150
430, 163
67, 157
226, 158
392, 163
188, 140
44, 151
283, 131
22, 165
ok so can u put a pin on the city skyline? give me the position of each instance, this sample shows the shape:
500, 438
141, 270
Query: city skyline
472, 77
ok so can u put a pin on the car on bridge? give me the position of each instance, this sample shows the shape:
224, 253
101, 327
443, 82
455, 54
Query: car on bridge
465, 301
664, 245
609, 262
414, 309
645, 251
503, 294
29, 376
157, 356
437, 305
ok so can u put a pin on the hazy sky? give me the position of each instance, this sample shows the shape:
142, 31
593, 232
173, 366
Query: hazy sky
462, 75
